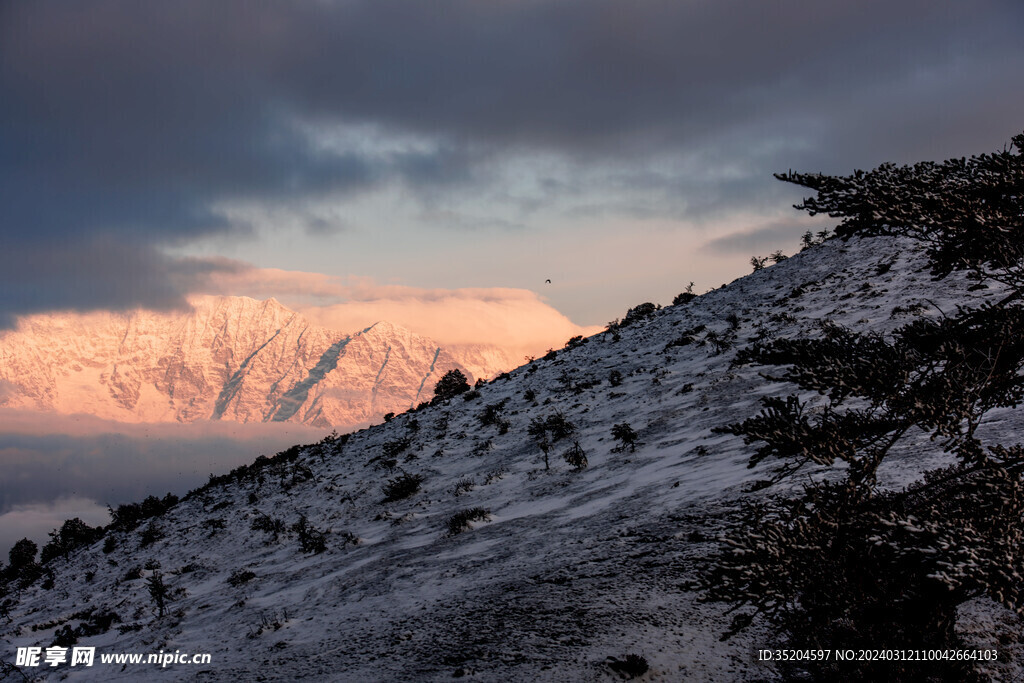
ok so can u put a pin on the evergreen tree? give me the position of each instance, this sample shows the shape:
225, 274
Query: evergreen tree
848, 564
807, 240
538, 431
73, 534
22, 554
546, 431
624, 433
160, 592
451, 385
576, 456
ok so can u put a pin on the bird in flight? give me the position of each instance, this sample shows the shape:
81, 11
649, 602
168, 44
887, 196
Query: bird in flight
548, 281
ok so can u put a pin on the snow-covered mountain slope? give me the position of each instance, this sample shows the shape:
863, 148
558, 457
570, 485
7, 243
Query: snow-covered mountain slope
231, 358
561, 570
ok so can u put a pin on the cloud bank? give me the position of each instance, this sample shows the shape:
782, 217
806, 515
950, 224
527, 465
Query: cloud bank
77, 465
127, 127
517, 321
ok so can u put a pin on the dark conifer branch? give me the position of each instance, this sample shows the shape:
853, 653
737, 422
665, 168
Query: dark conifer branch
846, 564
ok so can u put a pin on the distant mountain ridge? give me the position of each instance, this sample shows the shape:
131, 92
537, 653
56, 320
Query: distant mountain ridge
230, 358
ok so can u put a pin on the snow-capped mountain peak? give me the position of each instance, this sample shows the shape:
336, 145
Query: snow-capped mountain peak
229, 358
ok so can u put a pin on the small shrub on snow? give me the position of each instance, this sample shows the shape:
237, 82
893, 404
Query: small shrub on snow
463, 486
160, 593
632, 665
269, 524
624, 433
273, 622
65, 637
215, 524
150, 535
492, 415
644, 311
538, 432
684, 297
402, 487
574, 342
391, 449
93, 623
576, 456
461, 520
311, 539
494, 475
238, 577
347, 538
681, 340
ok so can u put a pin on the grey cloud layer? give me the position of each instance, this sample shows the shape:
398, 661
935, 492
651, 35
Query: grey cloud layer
111, 463
57, 466
126, 123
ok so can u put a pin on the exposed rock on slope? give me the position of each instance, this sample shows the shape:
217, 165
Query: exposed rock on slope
231, 358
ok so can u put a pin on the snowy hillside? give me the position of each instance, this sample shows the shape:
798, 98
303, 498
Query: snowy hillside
555, 571
231, 358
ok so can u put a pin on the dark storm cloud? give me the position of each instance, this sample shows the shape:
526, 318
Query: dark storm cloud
124, 122
78, 274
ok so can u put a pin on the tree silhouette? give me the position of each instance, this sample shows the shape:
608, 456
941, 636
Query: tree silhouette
450, 385
21, 555
73, 534
546, 431
848, 564
624, 433
160, 592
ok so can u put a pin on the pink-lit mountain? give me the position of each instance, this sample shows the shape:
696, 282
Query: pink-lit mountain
230, 358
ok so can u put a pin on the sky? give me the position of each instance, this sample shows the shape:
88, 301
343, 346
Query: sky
435, 163
618, 149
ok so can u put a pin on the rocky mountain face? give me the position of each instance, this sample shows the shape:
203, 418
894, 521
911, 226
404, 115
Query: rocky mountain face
231, 358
